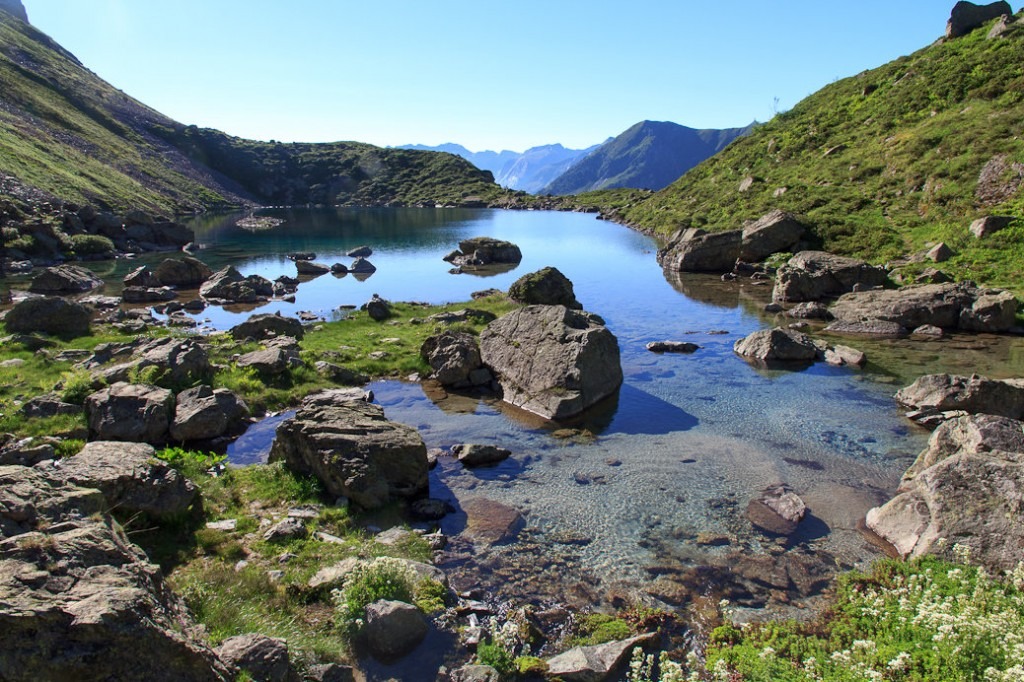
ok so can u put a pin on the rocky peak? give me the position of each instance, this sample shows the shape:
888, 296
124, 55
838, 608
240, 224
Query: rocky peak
15, 8
967, 16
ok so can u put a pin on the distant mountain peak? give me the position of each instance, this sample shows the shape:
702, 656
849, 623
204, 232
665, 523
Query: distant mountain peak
15, 8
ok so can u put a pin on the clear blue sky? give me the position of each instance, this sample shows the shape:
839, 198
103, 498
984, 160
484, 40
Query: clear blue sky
488, 75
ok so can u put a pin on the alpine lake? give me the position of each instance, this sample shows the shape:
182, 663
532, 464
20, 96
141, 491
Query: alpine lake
647, 495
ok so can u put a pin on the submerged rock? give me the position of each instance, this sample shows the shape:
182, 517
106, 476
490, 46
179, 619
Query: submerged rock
551, 360
777, 510
353, 449
472, 455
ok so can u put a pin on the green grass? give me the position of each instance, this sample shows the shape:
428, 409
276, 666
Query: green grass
881, 164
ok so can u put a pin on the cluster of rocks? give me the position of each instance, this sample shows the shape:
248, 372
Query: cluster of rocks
694, 250
779, 346
479, 252
361, 268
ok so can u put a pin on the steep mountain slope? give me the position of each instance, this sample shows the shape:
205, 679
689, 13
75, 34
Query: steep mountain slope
538, 166
882, 163
649, 155
66, 134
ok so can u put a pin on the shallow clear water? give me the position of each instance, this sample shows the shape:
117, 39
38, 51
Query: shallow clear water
690, 439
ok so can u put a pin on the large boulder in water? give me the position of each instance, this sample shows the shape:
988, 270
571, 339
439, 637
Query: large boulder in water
353, 449
813, 275
777, 345
182, 272
547, 286
480, 251
695, 250
48, 314
64, 279
971, 494
231, 286
551, 360
947, 306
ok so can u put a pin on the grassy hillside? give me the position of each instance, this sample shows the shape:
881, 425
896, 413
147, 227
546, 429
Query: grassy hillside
650, 155
66, 134
882, 163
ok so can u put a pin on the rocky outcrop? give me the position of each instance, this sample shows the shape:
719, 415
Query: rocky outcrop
228, 285
948, 306
695, 250
547, 286
79, 601
280, 355
966, 16
551, 360
187, 272
949, 394
377, 308
813, 275
966, 488
15, 8
50, 315
130, 477
64, 279
353, 449
777, 345
482, 251
596, 663
130, 412
266, 326
393, 628
454, 357
202, 413
771, 233
983, 227
176, 360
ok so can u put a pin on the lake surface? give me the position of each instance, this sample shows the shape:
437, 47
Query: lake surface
661, 489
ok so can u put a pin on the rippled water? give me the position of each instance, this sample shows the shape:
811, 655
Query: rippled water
690, 439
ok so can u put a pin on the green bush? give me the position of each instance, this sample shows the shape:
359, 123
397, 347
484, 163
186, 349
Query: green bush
598, 628
191, 463
91, 244
76, 386
922, 620
382, 578
496, 656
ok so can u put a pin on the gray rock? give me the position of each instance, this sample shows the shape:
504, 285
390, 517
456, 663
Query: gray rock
777, 345
148, 294
229, 285
471, 455
339, 269
361, 266
774, 232
949, 306
393, 628
966, 16
453, 356
813, 275
360, 252
695, 250
306, 267
288, 529
551, 360
844, 355
130, 477
202, 413
463, 316
672, 347
596, 663
64, 279
879, 328
547, 286
377, 308
141, 277
187, 272
26, 453
48, 405
777, 510
810, 310
475, 673
130, 412
178, 361
970, 496
333, 576
264, 658
353, 449
974, 394
50, 315
266, 326
341, 375
31, 498
940, 253
330, 672
928, 330
280, 355
983, 227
